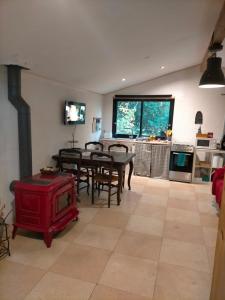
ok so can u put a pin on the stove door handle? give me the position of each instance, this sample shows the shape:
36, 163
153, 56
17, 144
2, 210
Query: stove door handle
182, 152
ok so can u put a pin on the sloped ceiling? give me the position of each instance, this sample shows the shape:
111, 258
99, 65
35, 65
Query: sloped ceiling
93, 44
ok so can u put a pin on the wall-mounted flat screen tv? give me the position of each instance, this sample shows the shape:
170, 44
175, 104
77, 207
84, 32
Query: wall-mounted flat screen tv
74, 113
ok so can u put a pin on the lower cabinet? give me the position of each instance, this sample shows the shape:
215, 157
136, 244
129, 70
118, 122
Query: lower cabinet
152, 159
142, 160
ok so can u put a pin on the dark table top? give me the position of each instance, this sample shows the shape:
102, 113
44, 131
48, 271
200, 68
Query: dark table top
122, 158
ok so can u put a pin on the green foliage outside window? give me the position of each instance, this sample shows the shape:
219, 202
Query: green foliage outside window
151, 117
128, 117
155, 117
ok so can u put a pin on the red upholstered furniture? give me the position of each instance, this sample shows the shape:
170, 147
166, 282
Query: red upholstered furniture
217, 184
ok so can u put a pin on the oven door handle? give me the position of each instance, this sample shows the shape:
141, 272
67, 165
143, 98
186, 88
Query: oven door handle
189, 154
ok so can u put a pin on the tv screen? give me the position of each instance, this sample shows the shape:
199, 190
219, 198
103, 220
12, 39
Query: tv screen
74, 113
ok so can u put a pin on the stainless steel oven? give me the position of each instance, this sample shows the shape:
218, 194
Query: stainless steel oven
181, 162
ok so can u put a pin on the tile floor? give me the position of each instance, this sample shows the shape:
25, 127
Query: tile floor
158, 245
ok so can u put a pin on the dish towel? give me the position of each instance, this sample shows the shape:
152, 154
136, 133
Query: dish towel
181, 160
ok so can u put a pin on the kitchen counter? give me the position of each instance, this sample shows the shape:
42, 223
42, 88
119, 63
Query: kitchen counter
160, 142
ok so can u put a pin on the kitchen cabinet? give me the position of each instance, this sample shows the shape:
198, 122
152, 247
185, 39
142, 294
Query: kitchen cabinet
205, 162
151, 159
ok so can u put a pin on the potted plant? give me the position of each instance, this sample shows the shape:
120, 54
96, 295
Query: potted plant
168, 134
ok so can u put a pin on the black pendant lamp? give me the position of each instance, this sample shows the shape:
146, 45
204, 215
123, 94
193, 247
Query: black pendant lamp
213, 76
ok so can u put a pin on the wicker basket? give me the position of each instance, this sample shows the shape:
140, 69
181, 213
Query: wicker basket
2, 224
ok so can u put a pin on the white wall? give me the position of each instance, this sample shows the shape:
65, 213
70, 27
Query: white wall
9, 162
189, 98
46, 99
49, 134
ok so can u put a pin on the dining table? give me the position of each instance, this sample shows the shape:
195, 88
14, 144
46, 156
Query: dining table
120, 161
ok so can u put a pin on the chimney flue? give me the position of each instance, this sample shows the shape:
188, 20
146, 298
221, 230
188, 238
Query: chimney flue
24, 120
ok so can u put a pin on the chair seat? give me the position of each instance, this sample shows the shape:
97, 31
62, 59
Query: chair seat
83, 173
105, 178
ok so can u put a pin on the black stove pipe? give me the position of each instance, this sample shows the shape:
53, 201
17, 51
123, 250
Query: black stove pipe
24, 120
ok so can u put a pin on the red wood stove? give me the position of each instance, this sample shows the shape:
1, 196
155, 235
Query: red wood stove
45, 203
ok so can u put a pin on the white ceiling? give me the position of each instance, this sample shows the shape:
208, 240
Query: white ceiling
93, 44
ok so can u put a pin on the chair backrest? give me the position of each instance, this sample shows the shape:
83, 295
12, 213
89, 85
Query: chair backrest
65, 163
94, 146
120, 147
102, 160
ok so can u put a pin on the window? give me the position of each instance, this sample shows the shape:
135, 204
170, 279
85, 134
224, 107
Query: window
142, 115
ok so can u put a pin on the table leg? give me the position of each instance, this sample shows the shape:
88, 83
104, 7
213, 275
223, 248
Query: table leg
131, 164
120, 183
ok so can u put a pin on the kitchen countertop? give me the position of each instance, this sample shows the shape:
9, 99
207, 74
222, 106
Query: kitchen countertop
158, 142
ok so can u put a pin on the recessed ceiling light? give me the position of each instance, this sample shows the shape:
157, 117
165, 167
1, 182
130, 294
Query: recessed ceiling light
123, 79
162, 67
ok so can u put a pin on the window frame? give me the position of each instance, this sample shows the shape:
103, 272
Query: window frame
142, 99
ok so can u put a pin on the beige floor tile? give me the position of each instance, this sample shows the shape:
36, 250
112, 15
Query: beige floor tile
157, 220
16, 280
131, 195
111, 218
207, 207
210, 236
87, 214
130, 274
127, 205
181, 186
148, 210
205, 197
183, 204
33, 252
99, 236
57, 287
178, 283
158, 183
184, 254
182, 194
85, 200
139, 245
70, 233
183, 232
102, 292
82, 262
160, 200
137, 186
211, 256
203, 188
182, 216
209, 220
156, 190
145, 225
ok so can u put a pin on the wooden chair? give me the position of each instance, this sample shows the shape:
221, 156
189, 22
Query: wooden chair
94, 146
119, 147
81, 176
104, 181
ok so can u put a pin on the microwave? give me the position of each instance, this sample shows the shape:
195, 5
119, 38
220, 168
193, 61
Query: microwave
207, 143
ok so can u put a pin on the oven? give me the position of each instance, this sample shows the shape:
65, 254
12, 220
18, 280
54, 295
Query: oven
181, 162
